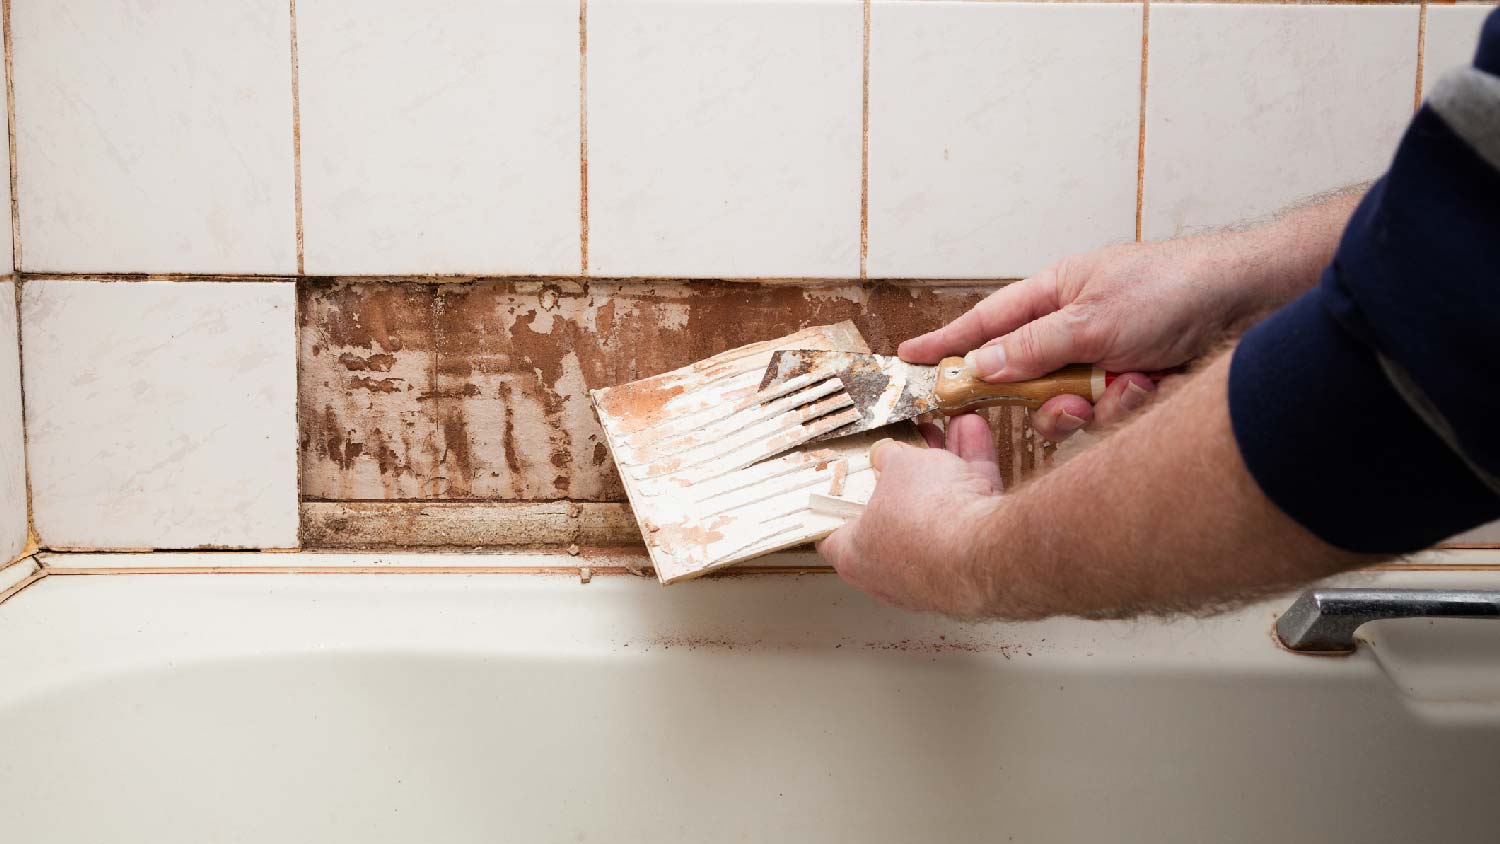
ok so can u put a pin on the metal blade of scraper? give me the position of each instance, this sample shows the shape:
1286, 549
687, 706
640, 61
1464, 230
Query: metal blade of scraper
884, 389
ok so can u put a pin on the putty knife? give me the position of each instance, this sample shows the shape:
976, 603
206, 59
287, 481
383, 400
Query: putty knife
887, 389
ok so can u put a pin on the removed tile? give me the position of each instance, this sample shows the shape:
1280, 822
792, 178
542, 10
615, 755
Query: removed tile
687, 459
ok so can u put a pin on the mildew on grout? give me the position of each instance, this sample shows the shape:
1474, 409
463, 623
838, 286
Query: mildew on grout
1416, 103
583, 138
864, 153
131, 277
296, 143
10, 128
1140, 161
441, 278
33, 539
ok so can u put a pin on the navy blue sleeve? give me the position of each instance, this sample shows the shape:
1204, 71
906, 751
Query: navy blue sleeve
1368, 410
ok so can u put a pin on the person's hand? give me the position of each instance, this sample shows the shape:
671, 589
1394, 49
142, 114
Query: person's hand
1129, 308
915, 543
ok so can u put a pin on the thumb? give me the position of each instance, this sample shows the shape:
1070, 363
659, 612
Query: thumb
1033, 350
881, 452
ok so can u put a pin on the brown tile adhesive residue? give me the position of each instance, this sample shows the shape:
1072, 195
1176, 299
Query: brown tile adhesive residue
418, 390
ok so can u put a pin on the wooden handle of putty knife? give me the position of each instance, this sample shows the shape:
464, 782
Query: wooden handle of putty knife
959, 390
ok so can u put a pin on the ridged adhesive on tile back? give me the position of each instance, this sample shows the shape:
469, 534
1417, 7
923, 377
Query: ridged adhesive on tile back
477, 390
708, 494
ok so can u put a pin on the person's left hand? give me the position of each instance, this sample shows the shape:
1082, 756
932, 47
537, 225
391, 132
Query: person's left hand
914, 544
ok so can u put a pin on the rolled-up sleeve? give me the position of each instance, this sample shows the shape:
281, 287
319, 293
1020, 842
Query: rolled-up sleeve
1368, 410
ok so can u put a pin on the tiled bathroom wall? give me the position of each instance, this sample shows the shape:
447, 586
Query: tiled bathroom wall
331, 273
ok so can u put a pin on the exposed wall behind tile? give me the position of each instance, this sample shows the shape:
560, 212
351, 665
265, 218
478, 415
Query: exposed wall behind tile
478, 390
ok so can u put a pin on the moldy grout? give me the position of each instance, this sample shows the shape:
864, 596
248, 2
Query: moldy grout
583, 138
1416, 104
1140, 162
10, 128
296, 143
864, 152
464, 279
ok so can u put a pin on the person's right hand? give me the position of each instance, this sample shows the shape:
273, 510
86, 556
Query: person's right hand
1130, 308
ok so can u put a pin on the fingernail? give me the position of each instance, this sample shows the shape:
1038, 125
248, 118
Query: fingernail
986, 360
875, 449
1134, 397
1068, 423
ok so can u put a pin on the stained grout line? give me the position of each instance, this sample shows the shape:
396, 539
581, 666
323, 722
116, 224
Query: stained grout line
297, 402
571, 571
583, 138
41, 574
33, 539
1140, 161
296, 143
864, 153
135, 277
10, 128
438, 278
1416, 104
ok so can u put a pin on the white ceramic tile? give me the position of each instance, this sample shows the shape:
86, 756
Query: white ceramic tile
1250, 108
14, 575
154, 136
7, 245
161, 414
1002, 136
439, 137
13, 530
724, 137
1483, 535
1451, 37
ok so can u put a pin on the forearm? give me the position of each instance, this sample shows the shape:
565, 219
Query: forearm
1269, 265
1162, 516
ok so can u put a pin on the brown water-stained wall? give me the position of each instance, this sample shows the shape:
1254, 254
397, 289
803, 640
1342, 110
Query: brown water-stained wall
478, 390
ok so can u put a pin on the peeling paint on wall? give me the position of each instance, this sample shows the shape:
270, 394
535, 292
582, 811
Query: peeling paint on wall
478, 390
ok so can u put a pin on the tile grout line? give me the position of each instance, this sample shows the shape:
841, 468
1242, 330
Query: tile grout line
297, 408
10, 128
296, 143
1416, 104
431, 278
864, 152
40, 574
1140, 160
33, 539
582, 137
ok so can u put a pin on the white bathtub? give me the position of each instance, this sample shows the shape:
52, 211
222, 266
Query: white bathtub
512, 707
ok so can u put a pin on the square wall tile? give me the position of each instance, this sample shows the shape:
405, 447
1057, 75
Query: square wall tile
154, 137
440, 137
1451, 37
161, 414
1250, 108
724, 137
13, 529
1002, 136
